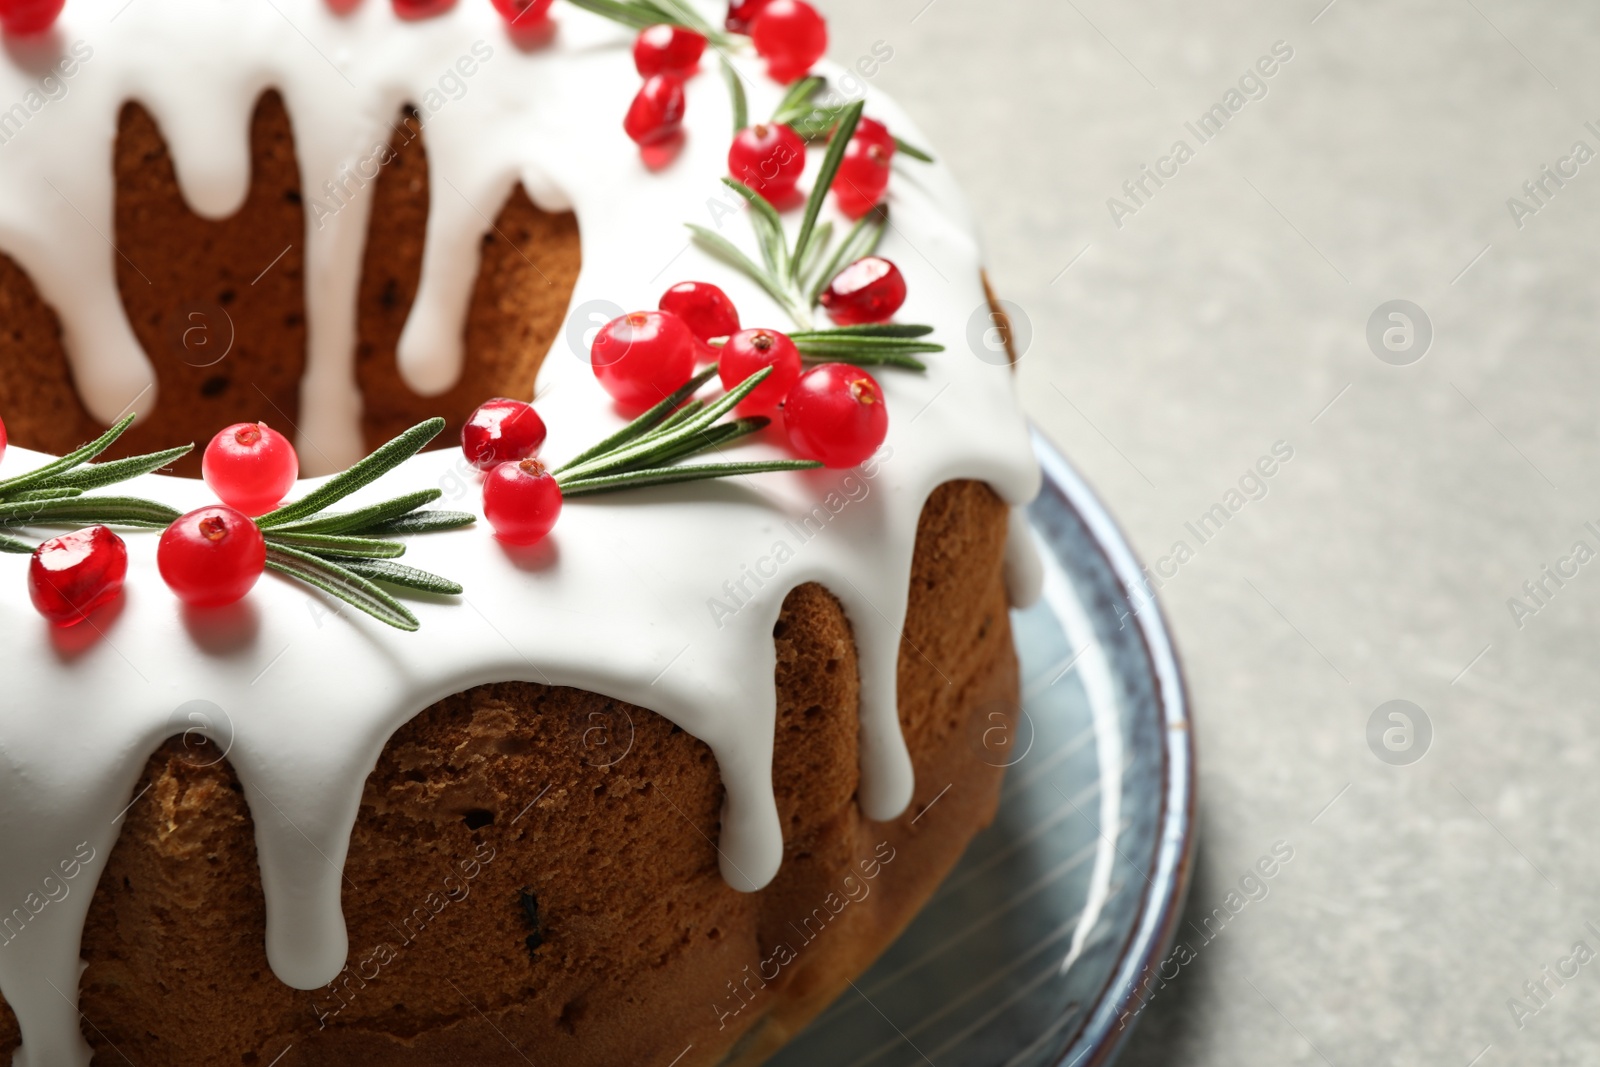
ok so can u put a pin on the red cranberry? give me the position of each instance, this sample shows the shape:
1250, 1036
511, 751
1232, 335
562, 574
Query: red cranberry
871, 131
22, 17
768, 158
523, 13
743, 12
667, 49
656, 114
862, 179
522, 501
412, 10
211, 556
836, 414
501, 430
704, 308
791, 37
75, 573
250, 466
643, 356
750, 351
868, 290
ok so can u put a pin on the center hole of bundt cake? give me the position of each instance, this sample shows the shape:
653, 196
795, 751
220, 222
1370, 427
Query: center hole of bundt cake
219, 306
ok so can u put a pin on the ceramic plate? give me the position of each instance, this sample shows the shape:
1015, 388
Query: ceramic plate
1033, 952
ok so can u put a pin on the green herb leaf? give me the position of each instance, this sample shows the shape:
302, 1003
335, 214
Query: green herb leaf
421, 522
108, 510
721, 247
385, 459
400, 575
361, 520
862, 240
768, 226
35, 478
673, 475
861, 357
44, 494
710, 439
829, 170
637, 16
796, 103
869, 329
643, 423
646, 452
861, 343
341, 582
337, 545
913, 151
741, 106
96, 475
16, 545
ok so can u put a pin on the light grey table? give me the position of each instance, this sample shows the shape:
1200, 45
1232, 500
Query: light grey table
1227, 315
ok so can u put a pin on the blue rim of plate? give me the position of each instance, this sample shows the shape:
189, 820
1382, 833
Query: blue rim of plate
1167, 873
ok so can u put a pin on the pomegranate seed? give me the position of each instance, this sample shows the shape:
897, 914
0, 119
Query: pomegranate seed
871, 131
523, 13
748, 352
769, 159
862, 179
501, 430
643, 356
23, 17
868, 290
75, 573
656, 114
250, 466
791, 37
412, 10
211, 556
667, 49
836, 414
522, 501
741, 13
704, 308
2, 439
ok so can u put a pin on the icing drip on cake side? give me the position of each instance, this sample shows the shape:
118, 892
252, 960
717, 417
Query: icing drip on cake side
646, 597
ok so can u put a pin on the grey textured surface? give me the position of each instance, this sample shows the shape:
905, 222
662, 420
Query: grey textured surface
1229, 313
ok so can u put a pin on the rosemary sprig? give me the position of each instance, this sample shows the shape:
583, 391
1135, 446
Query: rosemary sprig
347, 554
796, 277
56, 494
646, 451
815, 121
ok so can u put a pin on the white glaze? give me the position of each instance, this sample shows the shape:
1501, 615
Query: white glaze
617, 602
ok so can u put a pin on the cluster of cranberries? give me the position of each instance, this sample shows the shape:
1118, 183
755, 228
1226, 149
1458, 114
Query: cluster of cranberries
666, 57
210, 557
789, 34
770, 158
